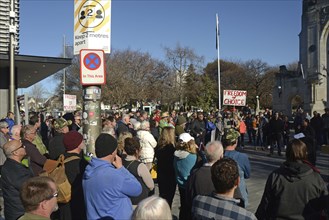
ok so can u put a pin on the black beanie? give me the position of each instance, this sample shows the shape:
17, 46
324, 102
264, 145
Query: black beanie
105, 145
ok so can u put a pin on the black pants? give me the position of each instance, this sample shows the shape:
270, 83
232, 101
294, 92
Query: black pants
183, 212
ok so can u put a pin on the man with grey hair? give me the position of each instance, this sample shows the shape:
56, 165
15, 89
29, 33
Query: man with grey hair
13, 175
199, 182
16, 132
123, 124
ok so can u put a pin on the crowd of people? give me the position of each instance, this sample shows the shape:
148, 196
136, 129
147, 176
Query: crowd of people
199, 154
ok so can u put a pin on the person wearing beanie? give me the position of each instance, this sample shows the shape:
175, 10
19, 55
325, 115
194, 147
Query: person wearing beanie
75, 166
107, 185
180, 125
56, 145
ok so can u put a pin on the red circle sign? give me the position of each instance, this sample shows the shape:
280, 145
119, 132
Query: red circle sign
92, 61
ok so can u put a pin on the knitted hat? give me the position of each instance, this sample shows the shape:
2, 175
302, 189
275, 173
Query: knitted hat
72, 140
181, 120
60, 123
185, 137
105, 145
231, 135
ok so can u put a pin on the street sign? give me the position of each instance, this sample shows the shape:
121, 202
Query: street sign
92, 25
92, 70
70, 102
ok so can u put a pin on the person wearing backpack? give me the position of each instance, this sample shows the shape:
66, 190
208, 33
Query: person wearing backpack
74, 168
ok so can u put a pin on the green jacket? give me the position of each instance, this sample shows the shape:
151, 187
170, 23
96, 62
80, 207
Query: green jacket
29, 216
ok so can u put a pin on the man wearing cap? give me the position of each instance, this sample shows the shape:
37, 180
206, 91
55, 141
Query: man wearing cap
164, 122
13, 174
75, 166
230, 142
107, 185
56, 145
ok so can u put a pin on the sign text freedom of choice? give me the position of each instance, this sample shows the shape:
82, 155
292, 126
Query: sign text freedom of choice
234, 97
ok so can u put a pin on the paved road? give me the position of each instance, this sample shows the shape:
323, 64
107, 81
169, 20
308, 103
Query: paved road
261, 166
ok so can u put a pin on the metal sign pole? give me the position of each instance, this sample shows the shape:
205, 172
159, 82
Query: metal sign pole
91, 116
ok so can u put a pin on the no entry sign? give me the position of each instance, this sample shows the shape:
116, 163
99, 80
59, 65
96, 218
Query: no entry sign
92, 71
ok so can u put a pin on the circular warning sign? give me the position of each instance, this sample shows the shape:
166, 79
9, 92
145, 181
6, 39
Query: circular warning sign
91, 14
92, 61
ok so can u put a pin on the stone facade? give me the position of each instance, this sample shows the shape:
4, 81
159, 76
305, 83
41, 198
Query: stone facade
308, 87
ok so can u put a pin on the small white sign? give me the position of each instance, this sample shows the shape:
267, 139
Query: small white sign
234, 97
70, 103
92, 70
92, 25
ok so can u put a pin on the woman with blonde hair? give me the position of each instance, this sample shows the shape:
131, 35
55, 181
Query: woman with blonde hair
185, 158
121, 141
164, 153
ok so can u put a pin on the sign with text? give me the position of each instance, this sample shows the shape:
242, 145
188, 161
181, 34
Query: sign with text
70, 103
234, 97
92, 25
92, 70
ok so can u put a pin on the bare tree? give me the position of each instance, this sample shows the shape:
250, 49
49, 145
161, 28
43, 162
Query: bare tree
180, 58
37, 93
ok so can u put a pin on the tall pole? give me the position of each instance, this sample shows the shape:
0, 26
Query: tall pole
64, 73
12, 32
218, 62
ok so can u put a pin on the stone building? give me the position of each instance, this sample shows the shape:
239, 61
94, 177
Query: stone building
308, 86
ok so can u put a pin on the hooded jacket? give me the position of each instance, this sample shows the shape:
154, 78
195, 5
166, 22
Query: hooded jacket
107, 190
183, 164
294, 191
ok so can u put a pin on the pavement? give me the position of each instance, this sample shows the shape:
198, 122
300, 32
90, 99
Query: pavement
261, 166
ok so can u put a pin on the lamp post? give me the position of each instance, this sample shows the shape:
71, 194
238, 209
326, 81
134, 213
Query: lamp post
279, 91
257, 105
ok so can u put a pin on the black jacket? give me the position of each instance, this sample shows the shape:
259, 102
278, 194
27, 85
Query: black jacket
13, 175
56, 146
294, 191
75, 209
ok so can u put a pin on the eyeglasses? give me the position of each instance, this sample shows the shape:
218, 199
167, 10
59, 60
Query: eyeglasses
22, 146
52, 196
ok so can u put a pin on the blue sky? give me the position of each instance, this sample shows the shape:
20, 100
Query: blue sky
263, 29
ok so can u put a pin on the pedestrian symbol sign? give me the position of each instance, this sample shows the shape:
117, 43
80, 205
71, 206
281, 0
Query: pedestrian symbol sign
92, 25
92, 70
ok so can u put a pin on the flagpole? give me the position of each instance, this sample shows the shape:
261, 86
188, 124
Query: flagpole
218, 62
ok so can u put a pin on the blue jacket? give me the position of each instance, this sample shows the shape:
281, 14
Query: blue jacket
107, 190
183, 164
244, 171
